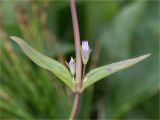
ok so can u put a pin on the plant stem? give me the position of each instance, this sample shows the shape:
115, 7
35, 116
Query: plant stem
77, 42
84, 69
75, 106
78, 79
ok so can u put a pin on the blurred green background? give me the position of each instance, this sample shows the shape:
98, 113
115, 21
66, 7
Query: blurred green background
116, 30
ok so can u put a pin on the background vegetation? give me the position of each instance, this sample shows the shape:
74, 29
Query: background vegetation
116, 30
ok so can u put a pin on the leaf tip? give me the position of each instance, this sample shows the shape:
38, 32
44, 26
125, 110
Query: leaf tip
145, 56
14, 38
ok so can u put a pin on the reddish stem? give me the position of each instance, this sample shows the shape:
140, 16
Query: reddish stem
75, 106
78, 79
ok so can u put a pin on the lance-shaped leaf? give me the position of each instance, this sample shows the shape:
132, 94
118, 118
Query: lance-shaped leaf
101, 72
43, 61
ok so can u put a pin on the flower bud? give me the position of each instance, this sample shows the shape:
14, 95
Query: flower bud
85, 52
72, 66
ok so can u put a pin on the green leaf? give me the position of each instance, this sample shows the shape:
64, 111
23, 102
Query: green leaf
101, 72
45, 62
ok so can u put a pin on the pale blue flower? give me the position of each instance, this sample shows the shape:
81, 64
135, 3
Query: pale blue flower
85, 51
72, 66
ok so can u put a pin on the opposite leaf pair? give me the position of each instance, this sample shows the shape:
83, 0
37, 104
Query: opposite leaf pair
61, 71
